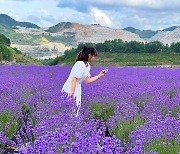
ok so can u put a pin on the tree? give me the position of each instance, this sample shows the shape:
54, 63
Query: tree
6, 54
175, 47
4, 40
135, 47
154, 47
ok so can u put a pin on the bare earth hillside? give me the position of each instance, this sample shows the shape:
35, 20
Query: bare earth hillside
96, 33
167, 37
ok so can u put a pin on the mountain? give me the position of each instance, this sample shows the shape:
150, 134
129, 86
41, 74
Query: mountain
167, 37
94, 33
144, 34
170, 28
5, 20
131, 29
59, 27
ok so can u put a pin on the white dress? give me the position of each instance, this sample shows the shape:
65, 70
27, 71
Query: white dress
80, 71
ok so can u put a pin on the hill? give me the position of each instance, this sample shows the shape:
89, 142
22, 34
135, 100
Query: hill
170, 28
11, 23
59, 27
167, 37
10, 55
91, 33
144, 34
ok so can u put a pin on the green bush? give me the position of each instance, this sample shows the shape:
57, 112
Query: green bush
163, 146
4, 40
123, 129
154, 47
135, 47
6, 54
102, 111
6, 118
175, 47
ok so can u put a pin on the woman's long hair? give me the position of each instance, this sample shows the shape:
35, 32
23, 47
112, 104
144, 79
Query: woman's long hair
83, 55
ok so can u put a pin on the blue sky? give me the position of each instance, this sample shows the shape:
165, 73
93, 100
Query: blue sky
141, 14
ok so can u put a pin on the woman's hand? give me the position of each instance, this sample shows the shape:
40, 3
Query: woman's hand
101, 73
72, 96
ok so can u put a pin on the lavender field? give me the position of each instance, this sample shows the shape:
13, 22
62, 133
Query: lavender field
130, 110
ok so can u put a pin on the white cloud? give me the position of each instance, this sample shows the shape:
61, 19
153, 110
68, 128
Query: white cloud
154, 4
100, 17
142, 14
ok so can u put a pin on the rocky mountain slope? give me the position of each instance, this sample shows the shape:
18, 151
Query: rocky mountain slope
91, 33
167, 37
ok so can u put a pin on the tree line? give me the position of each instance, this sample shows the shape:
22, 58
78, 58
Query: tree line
119, 46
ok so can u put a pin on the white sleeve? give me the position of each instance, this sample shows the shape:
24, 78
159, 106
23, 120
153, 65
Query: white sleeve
78, 70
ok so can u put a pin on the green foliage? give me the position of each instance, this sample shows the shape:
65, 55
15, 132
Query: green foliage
8, 54
154, 47
135, 47
102, 111
174, 113
140, 104
4, 40
123, 129
175, 47
113, 46
18, 38
163, 146
9, 22
172, 93
5, 119
67, 40
24, 39
118, 45
5, 53
17, 51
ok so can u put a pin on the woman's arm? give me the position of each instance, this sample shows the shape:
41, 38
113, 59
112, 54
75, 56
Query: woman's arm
73, 86
90, 80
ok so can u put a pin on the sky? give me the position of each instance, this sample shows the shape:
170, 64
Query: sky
140, 14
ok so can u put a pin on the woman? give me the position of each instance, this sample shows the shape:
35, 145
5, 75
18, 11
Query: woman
80, 72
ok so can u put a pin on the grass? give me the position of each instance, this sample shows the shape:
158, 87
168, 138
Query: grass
137, 59
102, 111
163, 147
123, 129
129, 59
6, 118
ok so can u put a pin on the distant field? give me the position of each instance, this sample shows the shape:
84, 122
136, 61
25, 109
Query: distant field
138, 59
131, 59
